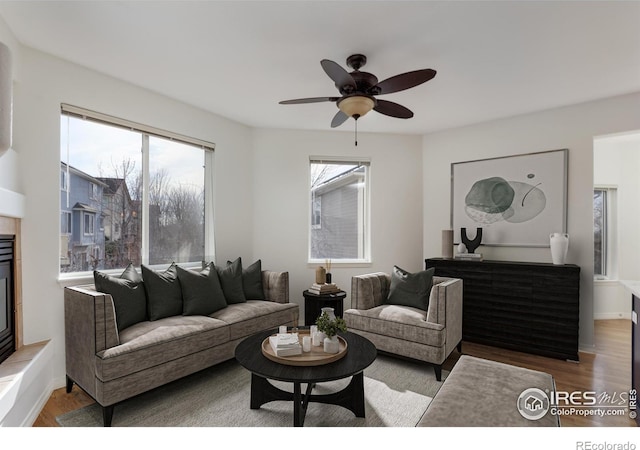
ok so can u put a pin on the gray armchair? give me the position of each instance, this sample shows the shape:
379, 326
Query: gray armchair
428, 336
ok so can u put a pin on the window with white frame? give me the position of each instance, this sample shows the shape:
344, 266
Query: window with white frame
63, 180
604, 231
89, 224
339, 210
150, 192
65, 222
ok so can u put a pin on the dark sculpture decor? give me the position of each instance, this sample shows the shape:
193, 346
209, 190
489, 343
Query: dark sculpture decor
471, 245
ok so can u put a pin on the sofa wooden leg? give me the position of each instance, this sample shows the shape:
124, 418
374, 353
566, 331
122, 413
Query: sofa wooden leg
69, 384
107, 415
438, 369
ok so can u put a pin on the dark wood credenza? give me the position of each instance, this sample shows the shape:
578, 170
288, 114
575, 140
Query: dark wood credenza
528, 307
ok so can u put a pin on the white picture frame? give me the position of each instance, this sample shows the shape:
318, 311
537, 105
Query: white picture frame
517, 200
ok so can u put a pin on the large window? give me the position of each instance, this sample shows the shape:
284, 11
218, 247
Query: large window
604, 232
339, 211
133, 194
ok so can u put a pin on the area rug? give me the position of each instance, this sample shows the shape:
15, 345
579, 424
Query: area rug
397, 393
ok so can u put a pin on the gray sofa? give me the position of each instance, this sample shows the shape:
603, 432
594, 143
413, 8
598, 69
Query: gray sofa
112, 365
428, 336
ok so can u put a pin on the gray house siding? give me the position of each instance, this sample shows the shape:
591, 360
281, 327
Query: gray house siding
81, 251
337, 235
338, 216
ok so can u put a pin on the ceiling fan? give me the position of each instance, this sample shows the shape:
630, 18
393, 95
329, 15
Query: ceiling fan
358, 90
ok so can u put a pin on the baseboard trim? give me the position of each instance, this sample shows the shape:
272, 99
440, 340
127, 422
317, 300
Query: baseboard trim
612, 316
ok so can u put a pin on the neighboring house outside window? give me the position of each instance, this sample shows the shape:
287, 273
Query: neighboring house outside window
339, 219
80, 241
65, 232
132, 206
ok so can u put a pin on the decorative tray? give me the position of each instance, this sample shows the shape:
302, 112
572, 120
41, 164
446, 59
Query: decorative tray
316, 357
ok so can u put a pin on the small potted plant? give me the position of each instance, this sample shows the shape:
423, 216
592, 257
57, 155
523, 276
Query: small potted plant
330, 327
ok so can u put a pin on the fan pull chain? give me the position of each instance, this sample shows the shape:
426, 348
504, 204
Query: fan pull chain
356, 132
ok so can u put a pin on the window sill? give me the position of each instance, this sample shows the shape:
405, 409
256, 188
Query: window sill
345, 263
605, 282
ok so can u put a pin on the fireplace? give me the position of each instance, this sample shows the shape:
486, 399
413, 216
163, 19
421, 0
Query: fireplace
7, 297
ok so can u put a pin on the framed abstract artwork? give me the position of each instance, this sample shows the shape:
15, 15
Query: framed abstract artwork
517, 200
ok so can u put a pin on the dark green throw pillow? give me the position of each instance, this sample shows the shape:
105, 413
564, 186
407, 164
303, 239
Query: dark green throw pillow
201, 291
128, 293
164, 295
252, 281
231, 282
410, 289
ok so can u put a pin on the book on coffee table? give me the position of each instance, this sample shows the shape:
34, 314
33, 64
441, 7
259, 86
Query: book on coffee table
285, 344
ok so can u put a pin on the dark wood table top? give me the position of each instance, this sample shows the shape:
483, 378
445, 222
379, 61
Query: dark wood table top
360, 354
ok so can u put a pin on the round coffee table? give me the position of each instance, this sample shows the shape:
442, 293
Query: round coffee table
360, 354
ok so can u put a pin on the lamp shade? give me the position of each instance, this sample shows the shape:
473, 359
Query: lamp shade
6, 98
356, 106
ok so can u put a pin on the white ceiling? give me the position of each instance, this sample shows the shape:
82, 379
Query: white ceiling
238, 59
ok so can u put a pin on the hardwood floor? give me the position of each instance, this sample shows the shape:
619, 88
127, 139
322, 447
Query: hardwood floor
607, 370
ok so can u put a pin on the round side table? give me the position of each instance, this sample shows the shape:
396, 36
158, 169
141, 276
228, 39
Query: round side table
313, 304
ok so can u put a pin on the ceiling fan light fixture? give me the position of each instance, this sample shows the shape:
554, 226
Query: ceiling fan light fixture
356, 106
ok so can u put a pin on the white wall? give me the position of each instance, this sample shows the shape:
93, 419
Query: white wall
46, 82
9, 179
572, 127
617, 163
281, 196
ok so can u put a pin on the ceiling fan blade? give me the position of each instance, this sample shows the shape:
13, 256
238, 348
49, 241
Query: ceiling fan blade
338, 119
404, 81
393, 109
309, 100
342, 78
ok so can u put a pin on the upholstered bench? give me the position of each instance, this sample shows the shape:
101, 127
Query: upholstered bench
483, 393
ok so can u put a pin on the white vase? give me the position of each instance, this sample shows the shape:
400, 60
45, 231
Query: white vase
559, 246
330, 312
331, 344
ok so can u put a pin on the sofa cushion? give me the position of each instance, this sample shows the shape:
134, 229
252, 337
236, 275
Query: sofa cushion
252, 281
231, 282
410, 289
128, 294
151, 344
201, 291
164, 295
247, 318
491, 391
401, 322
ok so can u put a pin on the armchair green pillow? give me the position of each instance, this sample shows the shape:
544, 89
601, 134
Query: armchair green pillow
410, 289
